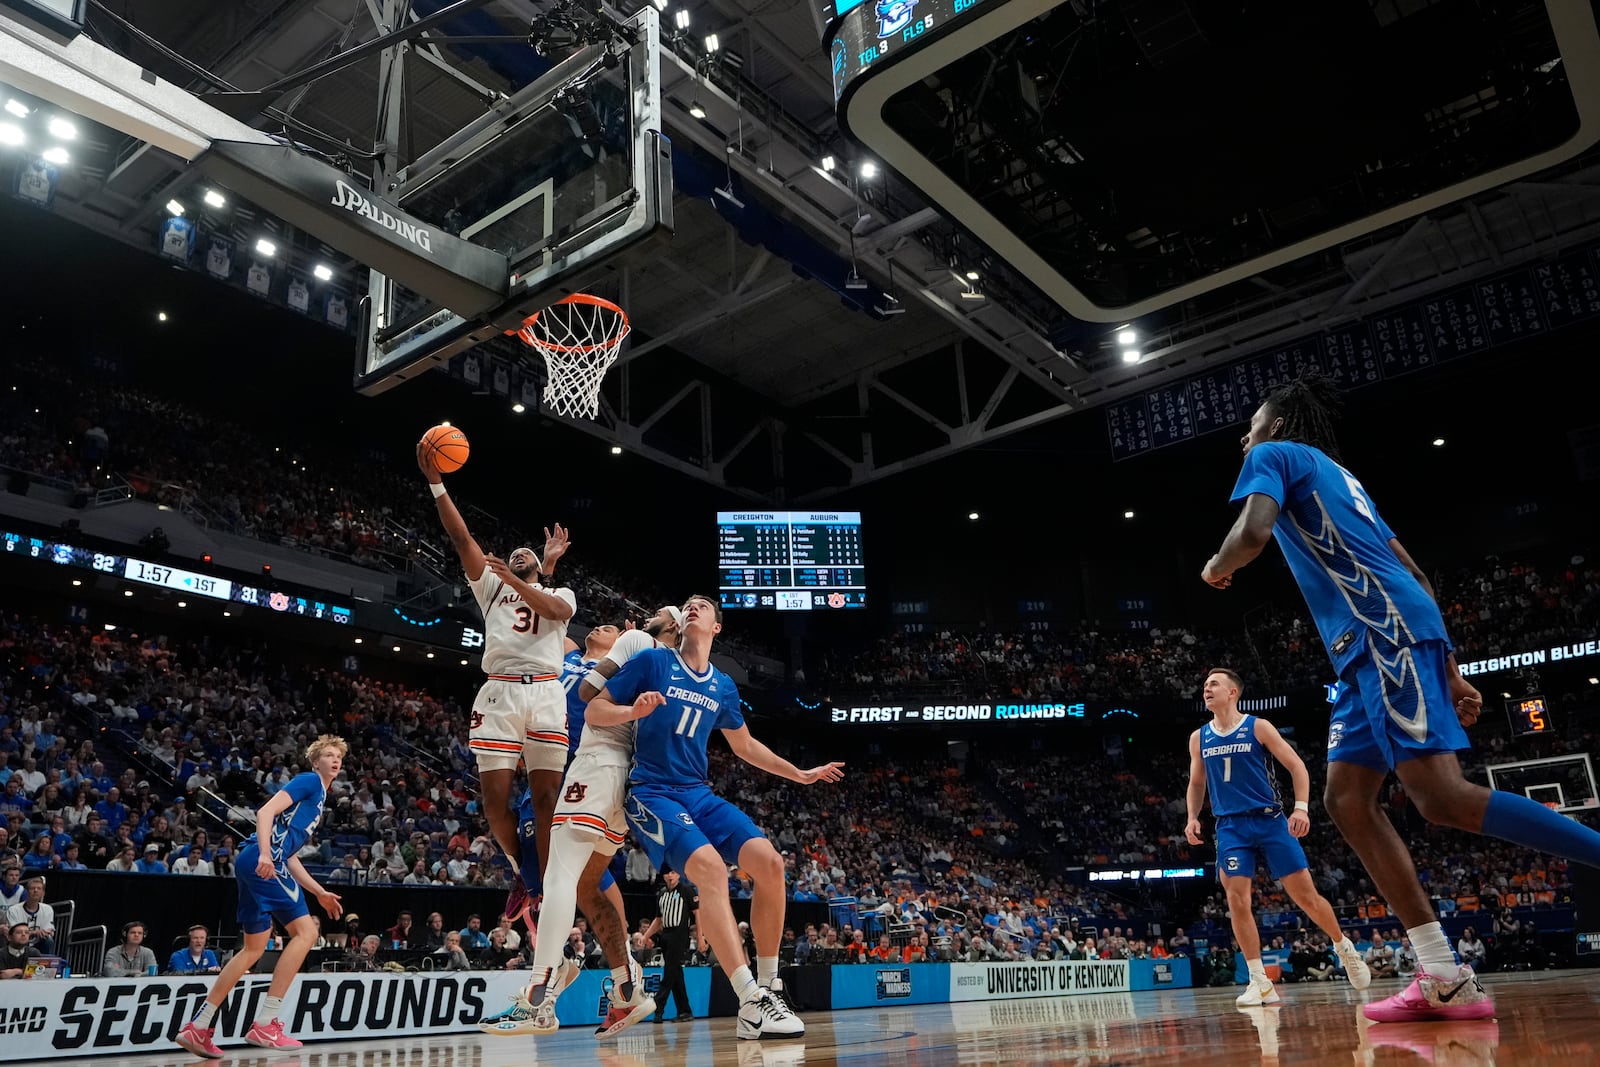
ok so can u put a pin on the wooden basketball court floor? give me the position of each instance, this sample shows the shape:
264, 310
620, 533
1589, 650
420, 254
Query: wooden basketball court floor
1548, 1019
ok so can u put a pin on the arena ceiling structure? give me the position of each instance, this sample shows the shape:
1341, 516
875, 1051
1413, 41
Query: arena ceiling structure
867, 276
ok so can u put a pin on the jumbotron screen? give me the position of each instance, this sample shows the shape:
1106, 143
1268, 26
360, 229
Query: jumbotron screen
790, 560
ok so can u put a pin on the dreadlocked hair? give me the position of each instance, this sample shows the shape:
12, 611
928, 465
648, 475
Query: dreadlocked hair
1308, 406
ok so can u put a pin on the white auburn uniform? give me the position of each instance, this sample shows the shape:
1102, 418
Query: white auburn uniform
597, 781
521, 711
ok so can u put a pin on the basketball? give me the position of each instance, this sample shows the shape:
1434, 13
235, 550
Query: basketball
448, 448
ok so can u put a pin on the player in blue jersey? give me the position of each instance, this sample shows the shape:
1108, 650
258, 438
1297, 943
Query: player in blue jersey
274, 885
1230, 759
1402, 703
677, 698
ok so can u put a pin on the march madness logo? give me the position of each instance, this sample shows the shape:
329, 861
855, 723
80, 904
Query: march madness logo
575, 793
895, 984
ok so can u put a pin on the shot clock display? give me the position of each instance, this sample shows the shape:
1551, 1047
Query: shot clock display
790, 560
1529, 715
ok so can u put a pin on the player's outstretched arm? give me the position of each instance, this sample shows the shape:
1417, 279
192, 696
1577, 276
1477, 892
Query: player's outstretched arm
759, 755
603, 711
545, 604
1273, 742
455, 527
329, 901
1196, 795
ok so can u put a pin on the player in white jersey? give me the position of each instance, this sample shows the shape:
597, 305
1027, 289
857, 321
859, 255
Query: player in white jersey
587, 829
520, 714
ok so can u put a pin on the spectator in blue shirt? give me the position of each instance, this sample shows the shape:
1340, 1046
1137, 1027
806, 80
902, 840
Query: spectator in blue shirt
41, 857
69, 858
151, 862
472, 936
112, 809
195, 958
99, 780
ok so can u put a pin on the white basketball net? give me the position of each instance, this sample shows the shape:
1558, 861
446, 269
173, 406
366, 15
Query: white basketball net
579, 339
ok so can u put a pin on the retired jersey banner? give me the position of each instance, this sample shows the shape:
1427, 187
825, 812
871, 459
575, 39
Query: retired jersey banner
1058, 978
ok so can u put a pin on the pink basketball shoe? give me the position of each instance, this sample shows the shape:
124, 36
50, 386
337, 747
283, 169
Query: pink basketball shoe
1435, 999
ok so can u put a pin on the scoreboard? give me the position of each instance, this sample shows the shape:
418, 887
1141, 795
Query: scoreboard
790, 560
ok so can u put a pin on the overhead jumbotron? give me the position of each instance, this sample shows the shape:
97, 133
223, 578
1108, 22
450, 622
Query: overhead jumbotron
1132, 156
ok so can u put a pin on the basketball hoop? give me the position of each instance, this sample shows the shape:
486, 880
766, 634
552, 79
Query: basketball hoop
579, 338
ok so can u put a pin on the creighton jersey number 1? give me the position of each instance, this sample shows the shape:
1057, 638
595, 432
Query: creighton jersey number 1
687, 725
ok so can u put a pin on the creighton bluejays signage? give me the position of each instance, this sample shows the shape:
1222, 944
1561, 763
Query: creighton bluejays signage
354, 201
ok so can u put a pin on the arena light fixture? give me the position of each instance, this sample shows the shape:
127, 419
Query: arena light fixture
712, 43
465, 662
973, 515
57, 155
1127, 337
266, 248
127, 592
661, 5
215, 199
681, 19
62, 130
518, 407
76, 582
11, 134
17, 108
973, 275
695, 110
322, 272
869, 169
227, 614
396, 648
430, 655
1127, 514
183, 603
358, 640
174, 207
161, 316
1438, 442
616, 450
828, 163
110, 626
1130, 355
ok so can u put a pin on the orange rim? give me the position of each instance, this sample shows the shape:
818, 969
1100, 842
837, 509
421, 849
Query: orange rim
529, 338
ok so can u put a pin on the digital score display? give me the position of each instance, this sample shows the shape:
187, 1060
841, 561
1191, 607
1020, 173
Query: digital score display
863, 35
1529, 715
790, 560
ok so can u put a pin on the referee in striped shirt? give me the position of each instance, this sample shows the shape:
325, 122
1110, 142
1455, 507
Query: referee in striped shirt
675, 907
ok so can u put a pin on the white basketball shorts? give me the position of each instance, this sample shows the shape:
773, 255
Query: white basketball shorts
591, 799
520, 717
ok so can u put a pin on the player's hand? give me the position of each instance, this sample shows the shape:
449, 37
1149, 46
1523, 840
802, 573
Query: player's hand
1299, 824
499, 567
264, 869
828, 772
425, 463
330, 904
1467, 701
1215, 576
647, 703
555, 545
1191, 831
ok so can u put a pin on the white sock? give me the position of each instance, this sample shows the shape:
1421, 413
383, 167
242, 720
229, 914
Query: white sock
1432, 949
270, 1006
568, 855
203, 1017
1343, 945
744, 986
766, 970
621, 974
1256, 970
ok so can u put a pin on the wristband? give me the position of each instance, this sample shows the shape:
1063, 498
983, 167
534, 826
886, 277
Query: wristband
1301, 805
436, 488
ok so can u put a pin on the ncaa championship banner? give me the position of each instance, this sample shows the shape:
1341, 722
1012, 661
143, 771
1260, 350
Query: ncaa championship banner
1056, 978
49, 1019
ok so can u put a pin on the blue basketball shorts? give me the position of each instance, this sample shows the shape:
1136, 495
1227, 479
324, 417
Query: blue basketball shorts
1240, 838
1394, 705
670, 823
261, 901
